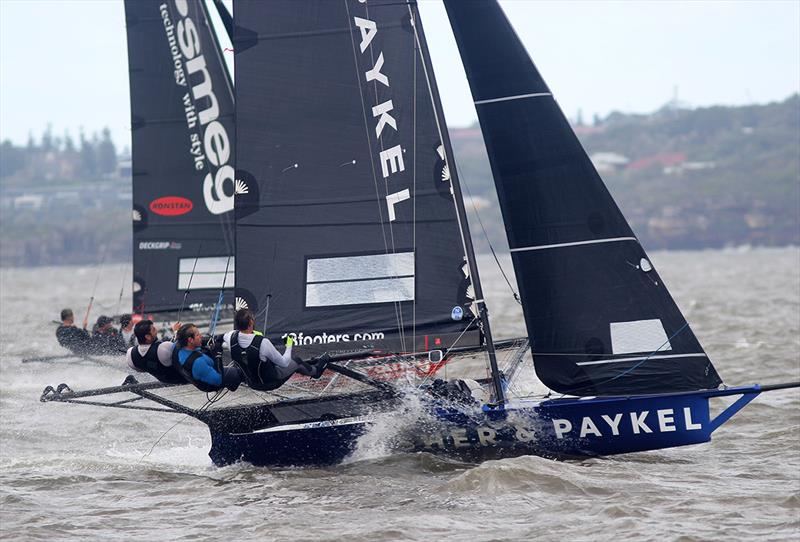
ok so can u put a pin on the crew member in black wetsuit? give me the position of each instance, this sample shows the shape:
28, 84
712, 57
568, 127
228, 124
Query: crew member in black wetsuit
153, 356
105, 338
72, 337
264, 367
206, 373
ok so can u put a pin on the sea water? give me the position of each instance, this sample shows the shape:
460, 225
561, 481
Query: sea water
73, 472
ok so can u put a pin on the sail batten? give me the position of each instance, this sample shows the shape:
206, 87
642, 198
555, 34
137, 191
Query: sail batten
574, 244
508, 98
590, 294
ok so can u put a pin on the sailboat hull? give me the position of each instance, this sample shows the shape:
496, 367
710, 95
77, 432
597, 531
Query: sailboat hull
560, 428
321, 445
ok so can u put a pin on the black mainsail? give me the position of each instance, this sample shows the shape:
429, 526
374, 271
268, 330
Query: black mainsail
346, 224
182, 120
599, 317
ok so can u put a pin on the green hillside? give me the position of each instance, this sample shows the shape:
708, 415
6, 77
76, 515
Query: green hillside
711, 177
698, 178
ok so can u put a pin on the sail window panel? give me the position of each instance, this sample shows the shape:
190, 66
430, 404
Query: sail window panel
202, 281
214, 264
205, 273
639, 336
330, 294
360, 267
356, 280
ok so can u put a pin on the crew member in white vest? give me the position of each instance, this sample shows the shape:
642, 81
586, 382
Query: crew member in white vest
265, 368
153, 356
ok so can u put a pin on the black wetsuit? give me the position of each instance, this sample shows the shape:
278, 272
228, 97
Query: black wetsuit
150, 363
109, 343
75, 339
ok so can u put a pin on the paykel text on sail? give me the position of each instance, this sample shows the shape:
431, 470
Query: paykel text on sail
391, 159
202, 106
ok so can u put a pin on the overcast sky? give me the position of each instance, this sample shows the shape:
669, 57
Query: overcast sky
65, 62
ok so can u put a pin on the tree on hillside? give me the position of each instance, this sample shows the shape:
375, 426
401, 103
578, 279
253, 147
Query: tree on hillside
11, 159
88, 160
69, 145
47, 139
106, 153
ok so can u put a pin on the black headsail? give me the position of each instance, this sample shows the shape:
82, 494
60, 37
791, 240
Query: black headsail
183, 150
599, 317
346, 224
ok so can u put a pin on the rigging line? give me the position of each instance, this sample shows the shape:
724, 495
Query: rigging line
453, 345
228, 233
269, 294
441, 137
96, 282
366, 129
121, 290
368, 134
191, 277
414, 201
213, 326
488, 241
612, 356
398, 307
463, 223
143, 288
164, 434
203, 408
266, 314
629, 369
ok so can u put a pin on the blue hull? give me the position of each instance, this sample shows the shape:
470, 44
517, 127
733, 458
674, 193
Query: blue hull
559, 428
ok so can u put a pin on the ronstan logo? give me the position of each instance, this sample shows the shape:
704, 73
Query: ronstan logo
171, 206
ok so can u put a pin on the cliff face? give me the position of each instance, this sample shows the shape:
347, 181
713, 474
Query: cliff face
685, 179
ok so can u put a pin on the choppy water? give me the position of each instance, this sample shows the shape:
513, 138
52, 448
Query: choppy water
72, 472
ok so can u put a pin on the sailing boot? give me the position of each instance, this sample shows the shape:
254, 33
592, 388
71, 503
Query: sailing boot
319, 364
231, 377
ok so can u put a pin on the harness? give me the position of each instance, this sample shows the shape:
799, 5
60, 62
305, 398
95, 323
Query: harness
149, 363
186, 369
249, 360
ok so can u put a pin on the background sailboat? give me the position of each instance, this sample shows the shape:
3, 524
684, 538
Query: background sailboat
183, 146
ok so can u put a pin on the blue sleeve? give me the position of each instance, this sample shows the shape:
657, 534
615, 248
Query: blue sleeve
203, 370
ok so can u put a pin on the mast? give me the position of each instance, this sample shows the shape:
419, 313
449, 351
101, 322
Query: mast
466, 237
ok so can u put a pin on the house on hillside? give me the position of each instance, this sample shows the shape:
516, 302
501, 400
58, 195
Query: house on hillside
607, 162
664, 159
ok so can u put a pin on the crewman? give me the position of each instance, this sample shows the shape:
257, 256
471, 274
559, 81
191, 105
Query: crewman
105, 338
72, 337
197, 367
263, 366
126, 329
153, 356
